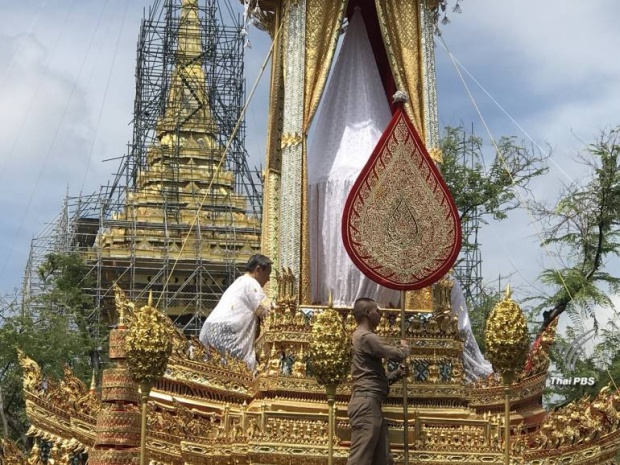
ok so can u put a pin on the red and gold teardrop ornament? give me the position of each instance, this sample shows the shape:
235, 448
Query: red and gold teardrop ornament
400, 225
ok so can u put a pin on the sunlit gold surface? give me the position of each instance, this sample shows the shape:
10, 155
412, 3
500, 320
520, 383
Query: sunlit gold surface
209, 409
330, 349
149, 344
506, 338
184, 206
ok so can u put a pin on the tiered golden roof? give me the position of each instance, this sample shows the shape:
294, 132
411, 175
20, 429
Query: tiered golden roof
184, 207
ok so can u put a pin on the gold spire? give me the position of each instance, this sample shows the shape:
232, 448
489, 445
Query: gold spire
93, 382
188, 109
189, 48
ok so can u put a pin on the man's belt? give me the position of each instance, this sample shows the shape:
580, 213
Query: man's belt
374, 395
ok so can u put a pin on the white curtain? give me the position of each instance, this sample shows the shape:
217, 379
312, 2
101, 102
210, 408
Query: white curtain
354, 113
474, 363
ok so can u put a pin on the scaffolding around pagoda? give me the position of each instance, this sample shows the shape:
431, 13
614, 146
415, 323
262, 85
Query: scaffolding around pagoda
468, 268
181, 216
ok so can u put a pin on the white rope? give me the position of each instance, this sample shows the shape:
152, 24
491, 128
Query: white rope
503, 160
530, 138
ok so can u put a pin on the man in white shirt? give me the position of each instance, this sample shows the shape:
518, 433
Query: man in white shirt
231, 327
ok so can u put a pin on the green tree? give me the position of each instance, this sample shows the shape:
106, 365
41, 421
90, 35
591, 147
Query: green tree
583, 226
488, 190
58, 328
485, 187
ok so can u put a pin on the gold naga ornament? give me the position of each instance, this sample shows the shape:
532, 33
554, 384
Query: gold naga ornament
506, 338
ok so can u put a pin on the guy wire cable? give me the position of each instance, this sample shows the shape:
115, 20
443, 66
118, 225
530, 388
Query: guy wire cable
222, 158
503, 160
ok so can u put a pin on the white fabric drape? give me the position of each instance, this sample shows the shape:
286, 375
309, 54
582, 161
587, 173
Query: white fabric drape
474, 363
354, 113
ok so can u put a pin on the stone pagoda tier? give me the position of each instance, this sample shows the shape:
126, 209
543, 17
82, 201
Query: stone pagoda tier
182, 228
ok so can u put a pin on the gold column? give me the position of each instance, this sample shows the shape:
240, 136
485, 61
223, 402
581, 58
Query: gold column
272, 176
506, 423
403, 335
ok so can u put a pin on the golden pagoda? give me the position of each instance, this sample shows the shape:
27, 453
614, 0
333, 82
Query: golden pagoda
183, 213
209, 408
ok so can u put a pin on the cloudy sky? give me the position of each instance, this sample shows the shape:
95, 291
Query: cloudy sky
67, 87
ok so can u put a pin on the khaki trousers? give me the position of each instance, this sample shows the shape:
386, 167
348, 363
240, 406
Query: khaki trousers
369, 433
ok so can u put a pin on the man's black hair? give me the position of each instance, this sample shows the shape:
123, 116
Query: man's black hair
258, 260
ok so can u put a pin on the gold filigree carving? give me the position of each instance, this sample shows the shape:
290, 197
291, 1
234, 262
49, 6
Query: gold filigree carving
289, 140
400, 218
506, 338
330, 350
31, 376
149, 345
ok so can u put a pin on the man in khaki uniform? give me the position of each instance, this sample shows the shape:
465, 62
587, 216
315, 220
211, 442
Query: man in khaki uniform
369, 434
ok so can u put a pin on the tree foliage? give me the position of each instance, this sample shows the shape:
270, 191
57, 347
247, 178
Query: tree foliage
57, 328
486, 188
602, 363
583, 226
489, 190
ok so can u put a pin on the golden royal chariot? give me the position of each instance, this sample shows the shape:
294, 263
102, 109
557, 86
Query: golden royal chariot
208, 408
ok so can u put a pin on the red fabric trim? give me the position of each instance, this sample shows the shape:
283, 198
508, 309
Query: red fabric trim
349, 213
373, 30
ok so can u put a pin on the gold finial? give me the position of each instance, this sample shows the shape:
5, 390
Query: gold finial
506, 338
150, 301
330, 299
93, 382
120, 302
149, 345
330, 354
508, 291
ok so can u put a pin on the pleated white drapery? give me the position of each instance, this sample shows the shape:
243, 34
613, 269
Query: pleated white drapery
474, 363
353, 114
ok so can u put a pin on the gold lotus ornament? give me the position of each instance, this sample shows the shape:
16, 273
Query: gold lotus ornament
330, 355
506, 338
330, 350
507, 345
149, 345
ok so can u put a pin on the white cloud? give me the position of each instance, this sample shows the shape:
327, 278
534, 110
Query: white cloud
54, 71
552, 67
